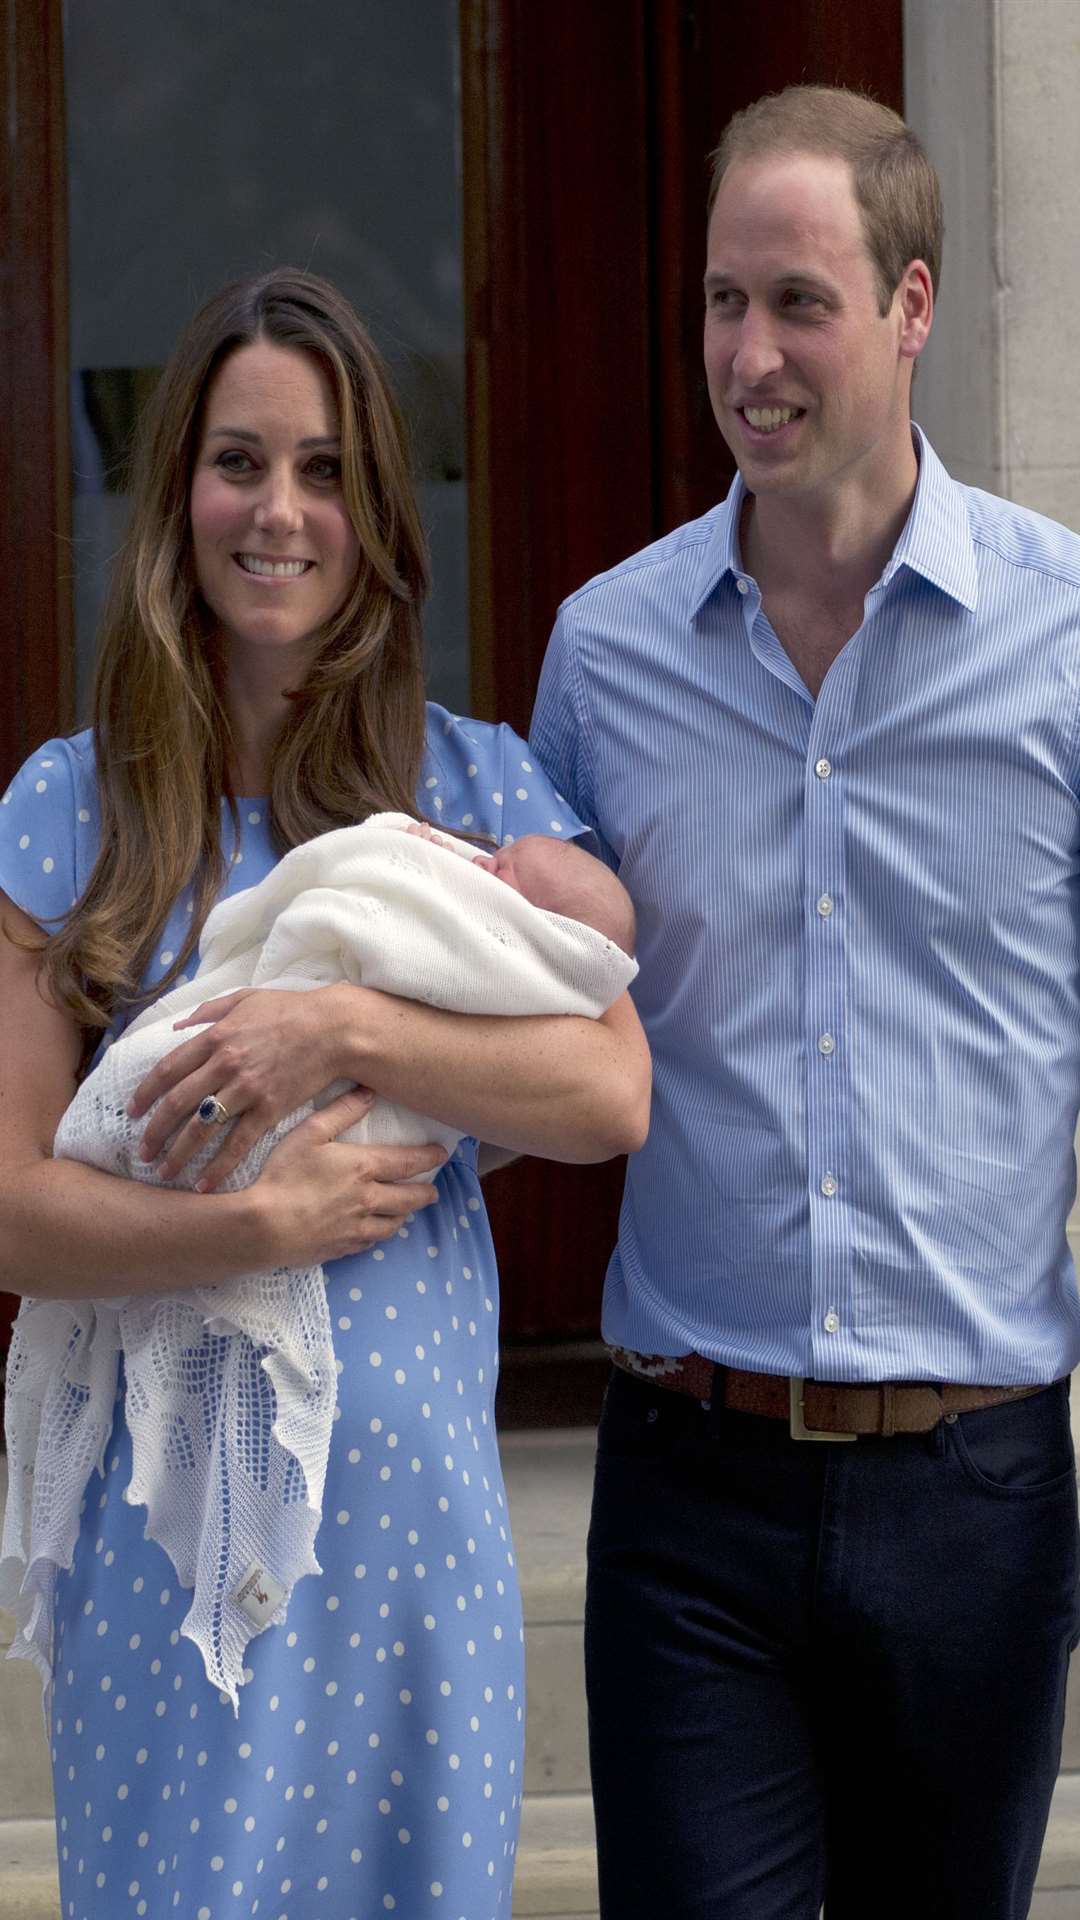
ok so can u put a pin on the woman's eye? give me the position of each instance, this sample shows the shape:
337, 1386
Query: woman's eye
234, 461
324, 468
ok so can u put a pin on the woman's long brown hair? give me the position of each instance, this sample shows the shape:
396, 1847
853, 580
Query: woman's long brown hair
354, 735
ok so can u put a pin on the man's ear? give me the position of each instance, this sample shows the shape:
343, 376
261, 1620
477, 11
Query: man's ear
914, 300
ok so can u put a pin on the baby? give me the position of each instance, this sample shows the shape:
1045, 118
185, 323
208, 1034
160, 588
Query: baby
559, 878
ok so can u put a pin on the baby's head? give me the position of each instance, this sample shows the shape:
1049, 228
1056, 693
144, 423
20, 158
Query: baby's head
565, 879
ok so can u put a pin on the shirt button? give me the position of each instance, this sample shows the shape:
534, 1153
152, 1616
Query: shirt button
824, 906
832, 1321
829, 1185
742, 586
823, 769
826, 1043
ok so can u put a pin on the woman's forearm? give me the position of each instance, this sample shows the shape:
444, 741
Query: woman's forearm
556, 1085
68, 1231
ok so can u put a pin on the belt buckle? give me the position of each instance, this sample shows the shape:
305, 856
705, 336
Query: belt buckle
797, 1426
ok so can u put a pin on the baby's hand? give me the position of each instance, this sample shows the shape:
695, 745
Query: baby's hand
425, 832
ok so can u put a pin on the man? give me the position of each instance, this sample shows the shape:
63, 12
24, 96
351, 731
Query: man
829, 737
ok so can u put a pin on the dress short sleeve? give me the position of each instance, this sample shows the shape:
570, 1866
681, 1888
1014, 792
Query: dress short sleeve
48, 830
559, 736
480, 778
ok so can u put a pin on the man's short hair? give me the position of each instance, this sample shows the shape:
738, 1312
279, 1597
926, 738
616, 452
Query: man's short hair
896, 188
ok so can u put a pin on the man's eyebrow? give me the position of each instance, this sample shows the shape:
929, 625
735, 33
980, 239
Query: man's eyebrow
255, 439
802, 277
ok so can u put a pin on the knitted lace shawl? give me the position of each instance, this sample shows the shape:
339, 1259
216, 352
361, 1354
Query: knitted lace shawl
230, 1389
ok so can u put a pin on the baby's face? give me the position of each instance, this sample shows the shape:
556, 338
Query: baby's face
502, 865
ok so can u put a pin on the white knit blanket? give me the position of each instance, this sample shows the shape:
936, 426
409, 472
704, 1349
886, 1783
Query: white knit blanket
231, 1389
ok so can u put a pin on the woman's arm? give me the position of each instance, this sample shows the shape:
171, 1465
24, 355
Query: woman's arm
69, 1230
558, 1085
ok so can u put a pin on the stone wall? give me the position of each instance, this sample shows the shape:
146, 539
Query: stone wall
991, 87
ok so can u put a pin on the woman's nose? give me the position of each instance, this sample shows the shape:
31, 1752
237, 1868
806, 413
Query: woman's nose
278, 510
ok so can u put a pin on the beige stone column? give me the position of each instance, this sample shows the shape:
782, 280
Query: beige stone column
991, 86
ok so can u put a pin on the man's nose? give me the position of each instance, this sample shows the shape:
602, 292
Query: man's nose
757, 354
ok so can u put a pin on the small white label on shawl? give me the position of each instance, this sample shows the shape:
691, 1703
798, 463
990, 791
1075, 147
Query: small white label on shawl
259, 1595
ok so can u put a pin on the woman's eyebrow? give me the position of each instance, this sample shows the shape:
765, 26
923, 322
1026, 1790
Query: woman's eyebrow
255, 439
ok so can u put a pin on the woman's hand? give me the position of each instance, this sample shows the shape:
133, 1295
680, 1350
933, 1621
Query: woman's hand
262, 1053
324, 1198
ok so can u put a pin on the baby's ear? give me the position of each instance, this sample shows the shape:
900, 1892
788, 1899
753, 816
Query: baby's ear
487, 861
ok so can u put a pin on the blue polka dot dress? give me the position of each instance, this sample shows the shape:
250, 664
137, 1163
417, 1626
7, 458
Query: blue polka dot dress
376, 1763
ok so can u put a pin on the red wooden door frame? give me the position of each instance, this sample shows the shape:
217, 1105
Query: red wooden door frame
36, 653
586, 130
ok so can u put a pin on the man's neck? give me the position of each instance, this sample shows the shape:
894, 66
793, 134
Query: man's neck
829, 551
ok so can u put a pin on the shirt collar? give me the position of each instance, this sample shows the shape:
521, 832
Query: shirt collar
936, 540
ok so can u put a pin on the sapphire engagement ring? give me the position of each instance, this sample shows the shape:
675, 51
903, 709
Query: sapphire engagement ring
212, 1111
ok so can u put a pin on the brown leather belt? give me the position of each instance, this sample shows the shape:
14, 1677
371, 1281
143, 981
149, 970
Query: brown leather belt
817, 1409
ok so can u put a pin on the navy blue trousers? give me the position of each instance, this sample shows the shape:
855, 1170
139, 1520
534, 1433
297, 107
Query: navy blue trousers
826, 1673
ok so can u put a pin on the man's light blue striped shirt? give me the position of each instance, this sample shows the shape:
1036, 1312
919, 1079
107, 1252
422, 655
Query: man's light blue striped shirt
859, 937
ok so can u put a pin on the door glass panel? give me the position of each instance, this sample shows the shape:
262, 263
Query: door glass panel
208, 142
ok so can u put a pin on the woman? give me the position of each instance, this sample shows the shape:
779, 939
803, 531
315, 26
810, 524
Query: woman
260, 683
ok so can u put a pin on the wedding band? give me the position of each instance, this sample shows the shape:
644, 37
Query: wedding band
212, 1111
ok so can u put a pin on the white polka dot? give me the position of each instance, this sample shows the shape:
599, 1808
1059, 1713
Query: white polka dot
254, 819
471, 771
498, 799
430, 782
522, 793
24, 841
84, 815
375, 1359
166, 957
47, 864
40, 786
